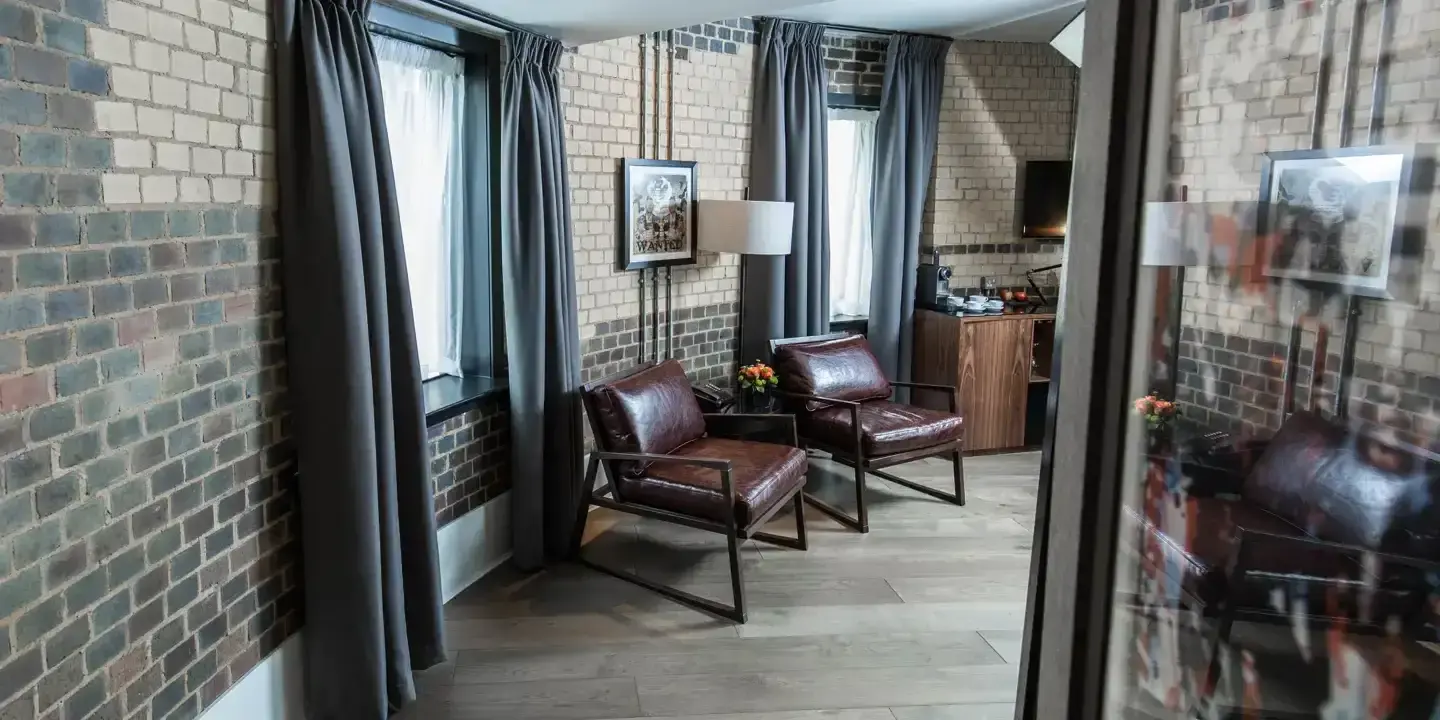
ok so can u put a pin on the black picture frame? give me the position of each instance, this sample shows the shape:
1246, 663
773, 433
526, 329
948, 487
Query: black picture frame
627, 255
1397, 240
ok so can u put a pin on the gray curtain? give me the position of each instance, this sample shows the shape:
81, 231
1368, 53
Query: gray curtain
542, 332
788, 296
905, 137
372, 589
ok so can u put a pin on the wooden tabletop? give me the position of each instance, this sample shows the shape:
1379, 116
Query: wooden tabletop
1007, 315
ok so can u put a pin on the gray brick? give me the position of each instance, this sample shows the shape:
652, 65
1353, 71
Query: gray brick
7, 274
165, 542
128, 495
85, 592
47, 347
57, 229
42, 149
98, 405
202, 252
209, 312
39, 620
21, 107
9, 147
186, 286
142, 390
12, 439
151, 291
72, 111
128, 261
219, 222
42, 67
19, 591
112, 298
92, 10
68, 564
56, 495
227, 337
15, 675
106, 227
59, 682
80, 448
123, 431
87, 266
168, 698
183, 223
183, 439
196, 404
27, 188
51, 421
40, 269
210, 372
112, 612
120, 363
66, 35
17, 231
91, 153
246, 221
88, 77
95, 337
233, 250
125, 566
65, 305
16, 511
162, 417
68, 641
194, 345
18, 22
85, 518
77, 190
77, 377
12, 355
27, 468
147, 454
148, 225
103, 472
7, 70
107, 647
37, 542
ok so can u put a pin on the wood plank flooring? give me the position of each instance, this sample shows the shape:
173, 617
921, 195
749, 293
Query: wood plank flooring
921, 619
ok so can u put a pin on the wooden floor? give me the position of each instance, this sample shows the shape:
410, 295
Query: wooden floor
921, 619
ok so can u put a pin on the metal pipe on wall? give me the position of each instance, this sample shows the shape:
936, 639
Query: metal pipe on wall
656, 45
1322, 79
655, 315
669, 155
641, 329
1378, 91
1352, 68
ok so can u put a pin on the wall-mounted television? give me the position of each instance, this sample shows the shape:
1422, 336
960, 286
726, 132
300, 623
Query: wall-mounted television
1044, 197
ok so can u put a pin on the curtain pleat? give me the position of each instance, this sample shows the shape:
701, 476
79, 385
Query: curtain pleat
788, 296
542, 330
372, 589
906, 135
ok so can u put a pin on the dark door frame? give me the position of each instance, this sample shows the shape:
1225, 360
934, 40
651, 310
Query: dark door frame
1067, 628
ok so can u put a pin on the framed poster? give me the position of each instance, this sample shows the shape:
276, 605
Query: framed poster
1337, 217
657, 214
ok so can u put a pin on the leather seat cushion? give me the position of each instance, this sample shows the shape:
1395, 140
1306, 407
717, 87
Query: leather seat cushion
763, 474
651, 411
841, 368
885, 427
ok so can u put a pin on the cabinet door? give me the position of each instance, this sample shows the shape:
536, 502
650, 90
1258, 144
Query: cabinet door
994, 377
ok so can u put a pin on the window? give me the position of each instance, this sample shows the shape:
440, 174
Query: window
441, 91
851, 178
424, 98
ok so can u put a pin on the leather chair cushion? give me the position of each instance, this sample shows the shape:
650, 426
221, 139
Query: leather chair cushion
652, 411
843, 368
763, 474
885, 427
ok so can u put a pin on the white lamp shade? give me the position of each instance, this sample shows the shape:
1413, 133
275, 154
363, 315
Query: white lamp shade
746, 227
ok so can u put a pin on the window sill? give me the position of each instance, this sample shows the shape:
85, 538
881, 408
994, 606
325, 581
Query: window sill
448, 396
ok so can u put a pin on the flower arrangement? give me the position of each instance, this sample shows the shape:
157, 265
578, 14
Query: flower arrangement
1156, 411
757, 377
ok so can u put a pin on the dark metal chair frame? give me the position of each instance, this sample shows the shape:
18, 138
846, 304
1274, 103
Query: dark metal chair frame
855, 457
777, 429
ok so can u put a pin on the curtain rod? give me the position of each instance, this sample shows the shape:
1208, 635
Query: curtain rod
877, 31
482, 17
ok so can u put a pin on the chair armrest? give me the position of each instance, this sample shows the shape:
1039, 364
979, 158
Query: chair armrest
1250, 539
951, 389
711, 463
816, 398
777, 429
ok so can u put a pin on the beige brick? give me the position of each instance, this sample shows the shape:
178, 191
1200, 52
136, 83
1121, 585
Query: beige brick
152, 56
204, 98
127, 17
208, 161
159, 189
110, 47
155, 122
182, 7
200, 38
191, 129
219, 73
114, 116
119, 189
215, 12
194, 190
227, 190
132, 153
172, 156
168, 91
239, 162
187, 66
249, 23
236, 107
223, 134
232, 47
127, 83
252, 137
167, 28
260, 55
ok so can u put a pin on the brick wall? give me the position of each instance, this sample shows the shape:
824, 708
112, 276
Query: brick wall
1246, 86
470, 459
149, 551
600, 88
1003, 103
856, 65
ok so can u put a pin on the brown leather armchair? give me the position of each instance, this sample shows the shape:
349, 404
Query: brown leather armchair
664, 459
841, 401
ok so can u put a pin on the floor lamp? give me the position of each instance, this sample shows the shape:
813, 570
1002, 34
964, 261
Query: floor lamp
751, 227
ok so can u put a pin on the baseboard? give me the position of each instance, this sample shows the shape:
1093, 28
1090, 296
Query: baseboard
474, 544
272, 690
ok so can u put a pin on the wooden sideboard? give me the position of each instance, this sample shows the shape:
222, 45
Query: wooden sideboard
995, 360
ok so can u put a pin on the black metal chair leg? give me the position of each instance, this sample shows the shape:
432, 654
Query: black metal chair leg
737, 578
1222, 637
582, 511
800, 521
959, 459
862, 518
796, 543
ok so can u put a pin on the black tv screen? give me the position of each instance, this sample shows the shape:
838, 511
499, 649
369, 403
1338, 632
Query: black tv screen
1044, 199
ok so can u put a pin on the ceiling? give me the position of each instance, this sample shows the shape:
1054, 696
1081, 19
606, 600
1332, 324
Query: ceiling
584, 21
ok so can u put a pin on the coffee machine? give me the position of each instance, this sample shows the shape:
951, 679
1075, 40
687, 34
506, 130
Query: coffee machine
932, 290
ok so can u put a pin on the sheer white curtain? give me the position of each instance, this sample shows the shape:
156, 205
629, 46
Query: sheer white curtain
852, 174
424, 110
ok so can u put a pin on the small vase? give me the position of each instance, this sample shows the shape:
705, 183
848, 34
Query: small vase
756, 402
